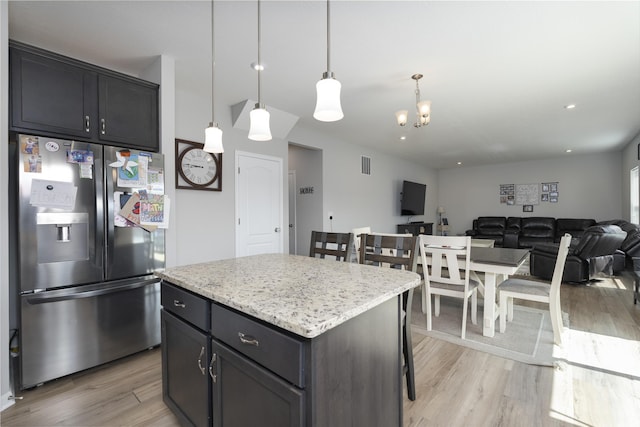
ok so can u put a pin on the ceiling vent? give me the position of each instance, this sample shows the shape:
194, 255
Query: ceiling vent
365, 165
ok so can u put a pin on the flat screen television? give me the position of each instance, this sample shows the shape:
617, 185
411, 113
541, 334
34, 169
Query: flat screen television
412, 199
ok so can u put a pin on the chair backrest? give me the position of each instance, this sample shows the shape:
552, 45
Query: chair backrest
356, 239
393, 250
446, 259
558, 270
338, 245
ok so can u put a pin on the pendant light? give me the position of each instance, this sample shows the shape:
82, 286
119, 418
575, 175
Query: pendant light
213, 134
259, 116
328, 108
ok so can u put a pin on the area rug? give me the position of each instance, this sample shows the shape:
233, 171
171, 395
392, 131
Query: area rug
528, 338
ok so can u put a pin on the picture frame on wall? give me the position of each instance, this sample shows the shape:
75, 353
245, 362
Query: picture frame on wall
527, 208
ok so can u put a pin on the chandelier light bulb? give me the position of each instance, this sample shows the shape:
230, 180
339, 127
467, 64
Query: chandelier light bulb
259, 128
402, 116
213, 139
424, 107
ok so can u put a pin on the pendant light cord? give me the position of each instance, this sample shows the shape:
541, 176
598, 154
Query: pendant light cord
328, 39
213, 66
259, 57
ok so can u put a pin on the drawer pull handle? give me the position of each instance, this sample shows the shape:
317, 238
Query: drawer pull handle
248, 339
212, 367
200, 361
178, 303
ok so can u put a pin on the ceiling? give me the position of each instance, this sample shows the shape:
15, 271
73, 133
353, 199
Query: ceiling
498, 73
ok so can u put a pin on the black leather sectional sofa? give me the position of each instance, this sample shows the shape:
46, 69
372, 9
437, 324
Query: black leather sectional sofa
526, 232
596, 247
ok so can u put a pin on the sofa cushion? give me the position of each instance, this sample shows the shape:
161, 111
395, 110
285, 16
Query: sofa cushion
491, 225
631, 244
538, 227
573, 226
599, 240
514, 224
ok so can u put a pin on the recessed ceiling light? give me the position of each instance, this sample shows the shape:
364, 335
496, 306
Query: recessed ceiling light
402, 138
568, 150
570, 106
257, 67
459, 163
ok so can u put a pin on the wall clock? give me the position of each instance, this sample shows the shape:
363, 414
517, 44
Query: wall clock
196, 169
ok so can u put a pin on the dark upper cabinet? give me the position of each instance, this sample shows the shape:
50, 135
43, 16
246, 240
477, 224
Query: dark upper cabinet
128, 112
52, 96
63, 97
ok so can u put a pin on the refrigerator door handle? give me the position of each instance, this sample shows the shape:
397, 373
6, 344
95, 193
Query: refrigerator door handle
71, 294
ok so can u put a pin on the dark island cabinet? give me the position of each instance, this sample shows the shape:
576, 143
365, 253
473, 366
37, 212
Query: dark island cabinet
186, 354
62, 97
246, 394
185, 379
224, 368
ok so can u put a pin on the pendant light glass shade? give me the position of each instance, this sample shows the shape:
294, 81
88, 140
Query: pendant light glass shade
259, 127
402, 116
328, 108
213, 139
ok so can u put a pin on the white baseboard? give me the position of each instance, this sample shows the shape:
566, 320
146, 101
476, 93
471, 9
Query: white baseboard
6, 401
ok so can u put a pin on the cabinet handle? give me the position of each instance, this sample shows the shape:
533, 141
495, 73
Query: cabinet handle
248, 339
86, 124
103, 126
212, 367
178, 303
200, 360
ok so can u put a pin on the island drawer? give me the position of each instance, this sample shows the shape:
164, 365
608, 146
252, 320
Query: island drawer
188, 306
267, 346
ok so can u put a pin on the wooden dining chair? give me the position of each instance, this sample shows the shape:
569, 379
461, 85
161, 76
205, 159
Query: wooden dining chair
531, 290
395, 251
337, 245
445, 266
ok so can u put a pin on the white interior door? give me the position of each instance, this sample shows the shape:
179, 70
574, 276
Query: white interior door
259, 219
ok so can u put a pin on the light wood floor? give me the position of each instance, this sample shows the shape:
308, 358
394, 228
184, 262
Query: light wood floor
598, 385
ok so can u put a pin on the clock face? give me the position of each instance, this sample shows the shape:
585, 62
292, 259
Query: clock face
197, 167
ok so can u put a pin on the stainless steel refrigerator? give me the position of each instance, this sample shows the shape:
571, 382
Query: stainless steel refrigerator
82, 278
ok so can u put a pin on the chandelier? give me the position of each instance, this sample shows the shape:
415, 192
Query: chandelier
423, 109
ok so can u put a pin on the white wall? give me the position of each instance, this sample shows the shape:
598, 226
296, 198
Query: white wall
629, 160
358, 200
4, 208
589, 187
205, 220
307, 164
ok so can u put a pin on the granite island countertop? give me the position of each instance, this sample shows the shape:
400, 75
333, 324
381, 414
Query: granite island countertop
303, 295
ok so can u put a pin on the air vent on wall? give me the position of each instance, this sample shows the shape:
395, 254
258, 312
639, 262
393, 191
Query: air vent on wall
365, 163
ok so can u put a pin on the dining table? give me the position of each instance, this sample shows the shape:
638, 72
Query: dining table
497, 264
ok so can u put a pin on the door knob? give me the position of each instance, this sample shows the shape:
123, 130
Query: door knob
290, 225
277, 230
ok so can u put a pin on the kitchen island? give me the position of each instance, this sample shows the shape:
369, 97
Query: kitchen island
277, 340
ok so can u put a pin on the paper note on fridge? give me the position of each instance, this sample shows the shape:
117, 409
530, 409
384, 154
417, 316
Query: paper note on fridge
53, 194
